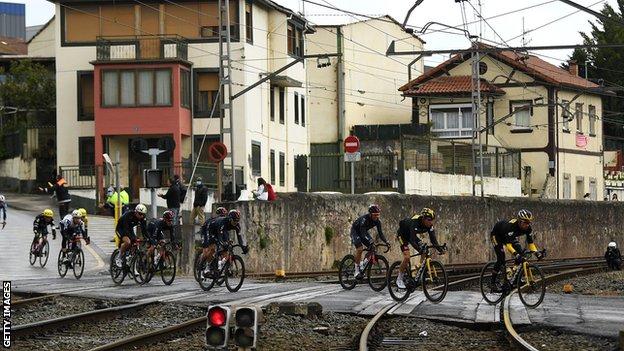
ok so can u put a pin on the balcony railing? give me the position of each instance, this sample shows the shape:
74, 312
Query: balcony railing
142, 47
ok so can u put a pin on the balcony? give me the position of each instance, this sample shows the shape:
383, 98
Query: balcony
142, 48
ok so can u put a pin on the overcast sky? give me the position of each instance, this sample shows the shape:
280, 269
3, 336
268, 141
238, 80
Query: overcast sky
568, 20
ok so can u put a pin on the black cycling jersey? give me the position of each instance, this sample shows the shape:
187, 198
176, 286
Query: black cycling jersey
127, 222
220, 228
156, 228
507, 233
363, 224
408, 231
40, 225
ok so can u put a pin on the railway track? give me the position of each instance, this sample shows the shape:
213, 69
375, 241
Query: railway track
566, 268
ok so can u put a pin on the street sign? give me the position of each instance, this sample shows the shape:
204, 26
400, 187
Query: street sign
352, 156
351, 144
217, 152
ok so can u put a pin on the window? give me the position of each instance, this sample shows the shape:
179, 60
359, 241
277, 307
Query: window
282, 168
85, 96
282, 105
580, 187
272, 102
295, 40
522, 112
202, 151
129, 88
185, 88
206, 94
567, 186
566, 114
451, 121
249, 21
86, 155
296, 108
302, 111
489, 114
592, 120
272, 161
255, 159
593, 193
579, 117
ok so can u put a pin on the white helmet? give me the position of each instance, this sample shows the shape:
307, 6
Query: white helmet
613, 244
76, 214
140, 208
2, 198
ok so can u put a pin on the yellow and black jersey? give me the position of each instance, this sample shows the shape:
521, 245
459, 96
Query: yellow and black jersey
409, 229
506, 233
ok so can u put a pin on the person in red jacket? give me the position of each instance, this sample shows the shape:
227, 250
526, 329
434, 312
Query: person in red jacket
265, 191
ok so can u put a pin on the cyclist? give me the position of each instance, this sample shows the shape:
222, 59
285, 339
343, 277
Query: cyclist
3, 209
207, 246
505, 235
85, 221
40, 227
360, 236
155, 231
72, 226
407, 235
218, 235
125, 230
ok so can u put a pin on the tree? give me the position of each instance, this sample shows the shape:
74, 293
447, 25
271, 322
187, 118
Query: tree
580, 57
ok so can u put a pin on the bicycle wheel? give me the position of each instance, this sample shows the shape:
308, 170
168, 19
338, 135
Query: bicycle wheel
346, 272
377, 273
78, 263
143, 267
133, 267
234, 271
206, 280
196, 268
62, 267
435, 282
168, 269
45, 254
32, 257
493, 291
117, 273
532, 290
398, 294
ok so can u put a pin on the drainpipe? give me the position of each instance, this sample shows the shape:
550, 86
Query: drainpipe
340, 92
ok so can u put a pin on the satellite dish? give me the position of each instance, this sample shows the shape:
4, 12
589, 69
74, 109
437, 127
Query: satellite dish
138, 144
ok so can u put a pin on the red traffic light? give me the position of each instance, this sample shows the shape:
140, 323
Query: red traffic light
217, 316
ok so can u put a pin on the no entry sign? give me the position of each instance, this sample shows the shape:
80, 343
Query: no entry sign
351, 144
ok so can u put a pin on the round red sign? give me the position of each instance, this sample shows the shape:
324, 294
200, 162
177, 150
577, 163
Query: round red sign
217, 152
351, 144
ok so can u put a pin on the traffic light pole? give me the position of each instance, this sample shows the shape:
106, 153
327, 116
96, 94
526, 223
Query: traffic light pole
153, 153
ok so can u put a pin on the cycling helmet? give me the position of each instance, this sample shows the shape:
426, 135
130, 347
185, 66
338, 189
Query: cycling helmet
612, 244
427, 213
525, 215
47, 213
221, 212
140, 208
168, 215
2, 199
234, 215
83, 212
76, 214
374, 209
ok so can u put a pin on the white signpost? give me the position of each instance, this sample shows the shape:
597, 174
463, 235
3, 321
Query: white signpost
351, 146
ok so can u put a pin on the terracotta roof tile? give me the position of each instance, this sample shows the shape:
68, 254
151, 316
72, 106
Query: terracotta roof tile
12, 46
452, 85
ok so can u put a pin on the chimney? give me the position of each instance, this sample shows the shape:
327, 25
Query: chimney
573, 68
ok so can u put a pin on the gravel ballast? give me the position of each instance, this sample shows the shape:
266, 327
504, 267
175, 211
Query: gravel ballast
603, 284
57, 306
548, 339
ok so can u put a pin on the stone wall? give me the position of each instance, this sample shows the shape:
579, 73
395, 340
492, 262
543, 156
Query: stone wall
310, 232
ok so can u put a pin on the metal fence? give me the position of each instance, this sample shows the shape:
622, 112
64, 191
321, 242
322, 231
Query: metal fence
207, 171
375, 172
456, 157
80, 177
141, 47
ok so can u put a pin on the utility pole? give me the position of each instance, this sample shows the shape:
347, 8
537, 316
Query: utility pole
225, 81
476, 121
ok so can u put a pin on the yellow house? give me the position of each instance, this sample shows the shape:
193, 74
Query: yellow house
553, 116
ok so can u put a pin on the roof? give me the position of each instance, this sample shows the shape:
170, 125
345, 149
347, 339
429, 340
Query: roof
532, 65
41, 30
444, 85
373, 19
12, 46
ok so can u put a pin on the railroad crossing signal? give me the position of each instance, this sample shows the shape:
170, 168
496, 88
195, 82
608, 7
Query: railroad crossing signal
246, 329
217, 332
